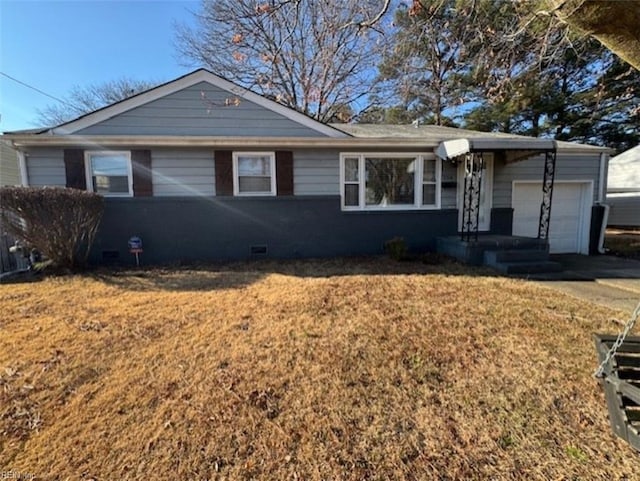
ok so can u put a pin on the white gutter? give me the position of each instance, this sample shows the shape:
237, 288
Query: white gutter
353, 143
22, 164
97, 141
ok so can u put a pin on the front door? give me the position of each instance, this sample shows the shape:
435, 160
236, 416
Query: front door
486, 194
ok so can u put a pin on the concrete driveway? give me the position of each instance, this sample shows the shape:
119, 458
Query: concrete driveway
611, 281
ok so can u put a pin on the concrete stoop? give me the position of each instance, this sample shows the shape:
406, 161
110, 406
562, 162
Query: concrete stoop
506, 254
521, 261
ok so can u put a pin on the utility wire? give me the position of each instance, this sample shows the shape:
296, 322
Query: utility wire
37, 90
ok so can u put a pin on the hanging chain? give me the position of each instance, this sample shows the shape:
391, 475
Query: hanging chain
599, 373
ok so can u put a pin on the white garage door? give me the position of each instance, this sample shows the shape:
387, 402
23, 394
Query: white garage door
570, 214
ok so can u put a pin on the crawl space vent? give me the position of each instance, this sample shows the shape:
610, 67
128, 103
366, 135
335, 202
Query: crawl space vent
258, 250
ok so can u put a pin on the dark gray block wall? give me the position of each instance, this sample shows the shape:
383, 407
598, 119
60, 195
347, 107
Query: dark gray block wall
226, 228
502, 220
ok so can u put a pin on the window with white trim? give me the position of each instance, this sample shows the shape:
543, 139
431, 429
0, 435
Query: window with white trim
430, 182
109, 173
254, 173
390, 181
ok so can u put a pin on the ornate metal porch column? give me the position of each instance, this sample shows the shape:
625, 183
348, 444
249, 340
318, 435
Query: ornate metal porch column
547, 194
473, 167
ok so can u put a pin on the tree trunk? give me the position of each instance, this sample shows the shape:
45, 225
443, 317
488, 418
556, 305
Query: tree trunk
613, 23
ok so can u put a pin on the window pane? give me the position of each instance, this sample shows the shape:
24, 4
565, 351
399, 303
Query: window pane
351, 194
112, 184
109, 164
254, 184
110, 173
429, 171
260, 166
429, 194
351, 170
389, 181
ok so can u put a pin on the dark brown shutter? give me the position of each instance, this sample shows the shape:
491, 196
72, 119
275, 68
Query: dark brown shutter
284, 172
141, 167
224, 172
74, 169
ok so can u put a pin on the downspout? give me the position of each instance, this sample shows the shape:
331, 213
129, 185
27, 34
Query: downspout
605, 221
604, 163
22, 164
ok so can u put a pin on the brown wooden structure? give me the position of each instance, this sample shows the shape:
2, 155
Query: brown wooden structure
621, 383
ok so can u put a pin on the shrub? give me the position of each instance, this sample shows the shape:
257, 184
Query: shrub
60, 223
396, 248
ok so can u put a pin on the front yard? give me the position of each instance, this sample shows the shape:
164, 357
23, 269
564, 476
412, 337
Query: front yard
341, 370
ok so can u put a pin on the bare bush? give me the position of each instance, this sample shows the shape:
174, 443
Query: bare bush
60, 223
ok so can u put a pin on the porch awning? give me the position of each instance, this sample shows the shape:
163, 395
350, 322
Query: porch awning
511, 149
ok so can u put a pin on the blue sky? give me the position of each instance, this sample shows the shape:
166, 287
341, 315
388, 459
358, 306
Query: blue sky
54, 45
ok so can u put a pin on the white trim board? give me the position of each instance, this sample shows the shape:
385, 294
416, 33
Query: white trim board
181, 83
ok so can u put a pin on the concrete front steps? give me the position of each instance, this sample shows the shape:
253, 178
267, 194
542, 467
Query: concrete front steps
506, 254
521, 261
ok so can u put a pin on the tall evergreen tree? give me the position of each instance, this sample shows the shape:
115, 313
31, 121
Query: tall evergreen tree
609, 111
502, 66
429, 52
446, 55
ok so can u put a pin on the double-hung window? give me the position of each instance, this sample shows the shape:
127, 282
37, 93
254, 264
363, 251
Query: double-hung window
254, 173
390, 181
109, 173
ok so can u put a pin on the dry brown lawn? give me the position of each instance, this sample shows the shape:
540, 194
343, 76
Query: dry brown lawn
341, 370
623, 242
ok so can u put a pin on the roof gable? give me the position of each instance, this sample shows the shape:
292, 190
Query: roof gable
197, 104
624, 170
631, 156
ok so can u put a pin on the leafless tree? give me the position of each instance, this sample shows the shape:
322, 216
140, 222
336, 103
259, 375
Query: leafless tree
82, 100
317, 56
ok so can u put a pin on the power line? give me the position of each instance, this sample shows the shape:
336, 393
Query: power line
37, 90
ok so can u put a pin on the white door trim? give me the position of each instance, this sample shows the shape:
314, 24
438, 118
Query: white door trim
586, 202
487, 190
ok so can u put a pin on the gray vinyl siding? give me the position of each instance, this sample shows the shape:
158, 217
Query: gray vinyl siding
625, 211
183, 172
191, 172
316, 172
186, 173
9, 170
201, 109
45, 167
568, 167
